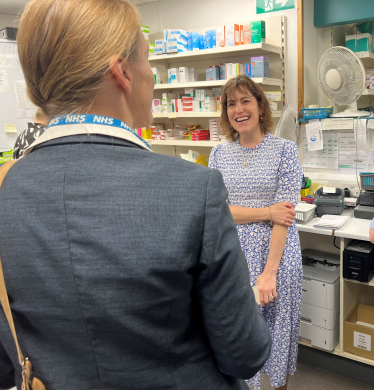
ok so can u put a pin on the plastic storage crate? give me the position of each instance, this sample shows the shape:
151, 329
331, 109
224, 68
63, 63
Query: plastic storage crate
304, 212
367, 181
316, 113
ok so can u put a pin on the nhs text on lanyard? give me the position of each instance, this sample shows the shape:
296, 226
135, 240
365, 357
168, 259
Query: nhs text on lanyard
74, 119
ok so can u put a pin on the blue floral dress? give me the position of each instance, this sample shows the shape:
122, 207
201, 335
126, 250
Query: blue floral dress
273, 174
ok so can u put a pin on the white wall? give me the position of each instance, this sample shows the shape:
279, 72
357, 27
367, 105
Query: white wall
193, 14
8, 21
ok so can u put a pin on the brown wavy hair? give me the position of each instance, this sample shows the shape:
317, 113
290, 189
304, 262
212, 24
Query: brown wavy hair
65, 47
243, 82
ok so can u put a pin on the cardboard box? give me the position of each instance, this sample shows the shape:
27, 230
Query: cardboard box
258, 32
260, 67
232, 35
246, 34
220, 37
358, 338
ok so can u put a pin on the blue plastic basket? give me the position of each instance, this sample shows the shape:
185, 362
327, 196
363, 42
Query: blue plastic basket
367, 180
316, 113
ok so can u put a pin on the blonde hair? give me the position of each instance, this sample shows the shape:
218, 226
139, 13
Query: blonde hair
40, 117
244, 83
65, 46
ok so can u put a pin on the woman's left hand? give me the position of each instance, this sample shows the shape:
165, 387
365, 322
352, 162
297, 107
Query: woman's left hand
267, 287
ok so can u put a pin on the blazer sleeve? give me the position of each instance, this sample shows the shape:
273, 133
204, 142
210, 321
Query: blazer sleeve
7, 372
237, 331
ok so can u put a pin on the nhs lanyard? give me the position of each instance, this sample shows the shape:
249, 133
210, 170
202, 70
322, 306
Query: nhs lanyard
75, 119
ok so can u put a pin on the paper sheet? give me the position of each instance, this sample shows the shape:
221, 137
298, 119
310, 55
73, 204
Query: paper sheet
370, 134
4, 81
337, 124
23, 100
346, 141
10, 128
326, 158
27, 113
360, 134
347, 163
314, 136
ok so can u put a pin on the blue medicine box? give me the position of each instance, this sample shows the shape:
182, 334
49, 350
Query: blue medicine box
259, 67
248, 70
363, 42
195, 41
212, 73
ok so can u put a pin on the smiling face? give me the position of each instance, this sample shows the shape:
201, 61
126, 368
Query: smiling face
243, 111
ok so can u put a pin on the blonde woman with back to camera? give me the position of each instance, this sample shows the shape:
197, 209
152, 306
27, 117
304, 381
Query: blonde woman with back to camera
117, 277
263, 177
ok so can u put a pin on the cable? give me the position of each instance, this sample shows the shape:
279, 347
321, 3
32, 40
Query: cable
335, 244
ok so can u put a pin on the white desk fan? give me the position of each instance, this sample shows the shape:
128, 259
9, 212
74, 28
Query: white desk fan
341, 76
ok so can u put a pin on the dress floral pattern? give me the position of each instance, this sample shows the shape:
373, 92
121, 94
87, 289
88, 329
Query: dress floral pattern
273, 174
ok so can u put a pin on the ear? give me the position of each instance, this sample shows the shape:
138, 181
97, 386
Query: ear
121, 73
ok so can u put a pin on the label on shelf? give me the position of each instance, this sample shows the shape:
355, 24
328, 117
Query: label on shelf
173, 115
362, 341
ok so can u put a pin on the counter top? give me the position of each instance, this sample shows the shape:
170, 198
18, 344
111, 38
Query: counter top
355, 228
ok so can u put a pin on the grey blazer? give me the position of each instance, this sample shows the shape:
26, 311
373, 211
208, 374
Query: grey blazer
124, 271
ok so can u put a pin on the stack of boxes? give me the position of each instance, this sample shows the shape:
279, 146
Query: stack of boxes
176, 41
273, 97
194, 100
182, 75
214, 130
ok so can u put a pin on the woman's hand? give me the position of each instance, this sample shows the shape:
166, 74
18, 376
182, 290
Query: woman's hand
267, 288
282, 214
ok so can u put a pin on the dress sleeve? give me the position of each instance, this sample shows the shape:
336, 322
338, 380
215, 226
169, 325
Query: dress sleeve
213, 158
289, 175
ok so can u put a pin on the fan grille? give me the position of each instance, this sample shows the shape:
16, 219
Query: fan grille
351, 71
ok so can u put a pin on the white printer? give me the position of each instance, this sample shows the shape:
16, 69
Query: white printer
320, 305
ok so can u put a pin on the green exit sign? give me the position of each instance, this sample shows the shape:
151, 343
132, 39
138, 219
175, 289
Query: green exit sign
266, 6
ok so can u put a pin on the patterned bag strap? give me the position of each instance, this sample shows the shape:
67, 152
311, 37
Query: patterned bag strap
28, 382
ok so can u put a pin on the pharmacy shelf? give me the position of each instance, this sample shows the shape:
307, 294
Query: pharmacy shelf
188, 114
252, 49
358, 358
336, 351
367, 92
371, 283
192, 114
209, 144
365, 54
217, 83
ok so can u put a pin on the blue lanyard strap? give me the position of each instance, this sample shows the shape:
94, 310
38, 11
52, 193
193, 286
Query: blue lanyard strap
74, 119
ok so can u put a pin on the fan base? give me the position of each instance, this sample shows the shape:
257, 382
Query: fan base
350, 114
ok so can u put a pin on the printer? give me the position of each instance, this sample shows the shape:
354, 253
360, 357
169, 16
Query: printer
329, 200
320, 306
358, 261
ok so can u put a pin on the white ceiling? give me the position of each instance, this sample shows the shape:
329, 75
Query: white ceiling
15, 7
12, 7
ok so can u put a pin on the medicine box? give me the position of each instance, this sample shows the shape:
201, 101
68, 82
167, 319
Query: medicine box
248, 70
359, 332
260, 67
222, 71
184, 75
189, 92
168, 95
158, 50
197, 94
364, 42
258, 32
196, 106
174, 75
274, 96
232, 35
194, 76
212, 73
246, 34
350, 42
156, 75
210, 104
273, 106
195, 41
205, 93
220, 36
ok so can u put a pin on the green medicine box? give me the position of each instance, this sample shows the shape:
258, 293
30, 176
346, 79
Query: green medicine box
364, 42
351, 42
258, 32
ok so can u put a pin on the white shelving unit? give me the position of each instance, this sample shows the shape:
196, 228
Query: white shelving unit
351, 291
217, 83
207, 144
274, 48
193, 114
241, 50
